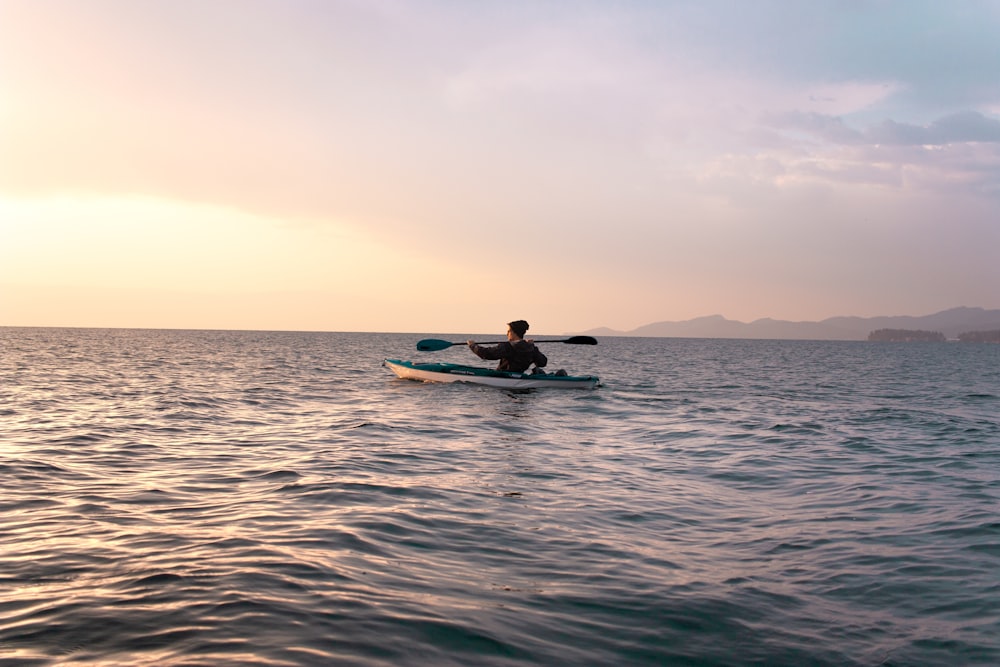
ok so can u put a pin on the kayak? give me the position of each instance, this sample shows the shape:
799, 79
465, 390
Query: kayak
409, 370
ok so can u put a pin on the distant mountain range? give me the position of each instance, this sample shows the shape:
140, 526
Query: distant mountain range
949, 322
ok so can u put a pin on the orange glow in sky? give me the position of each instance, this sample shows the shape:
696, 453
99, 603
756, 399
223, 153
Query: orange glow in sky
429, 167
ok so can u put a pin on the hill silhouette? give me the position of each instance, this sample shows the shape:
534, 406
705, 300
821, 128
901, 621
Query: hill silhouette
950, 322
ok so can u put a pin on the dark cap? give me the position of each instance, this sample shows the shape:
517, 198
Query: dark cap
520, 327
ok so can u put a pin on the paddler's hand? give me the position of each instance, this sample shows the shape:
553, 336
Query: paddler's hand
471, 343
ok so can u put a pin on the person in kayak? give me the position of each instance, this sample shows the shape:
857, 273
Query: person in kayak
517, 354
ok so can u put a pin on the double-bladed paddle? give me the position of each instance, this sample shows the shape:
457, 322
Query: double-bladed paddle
435, 345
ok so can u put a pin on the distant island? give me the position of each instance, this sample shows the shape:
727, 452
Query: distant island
906, 336
964, 323
980, 337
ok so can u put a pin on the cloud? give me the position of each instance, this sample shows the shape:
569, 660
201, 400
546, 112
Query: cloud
961, 127
958, 151
816, 126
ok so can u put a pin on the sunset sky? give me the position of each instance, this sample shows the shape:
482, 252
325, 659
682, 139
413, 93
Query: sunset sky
448, 166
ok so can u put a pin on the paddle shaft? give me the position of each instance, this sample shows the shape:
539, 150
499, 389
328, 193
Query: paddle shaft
575, 340
434, 345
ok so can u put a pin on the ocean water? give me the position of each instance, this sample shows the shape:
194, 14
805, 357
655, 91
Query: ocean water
252, 498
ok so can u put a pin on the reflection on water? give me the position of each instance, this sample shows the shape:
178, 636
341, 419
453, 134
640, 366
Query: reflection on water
276, 498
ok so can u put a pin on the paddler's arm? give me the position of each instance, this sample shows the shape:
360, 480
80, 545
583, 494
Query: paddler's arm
538, 358
488, 353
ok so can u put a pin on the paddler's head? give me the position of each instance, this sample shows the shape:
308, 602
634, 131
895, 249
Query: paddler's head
516, 330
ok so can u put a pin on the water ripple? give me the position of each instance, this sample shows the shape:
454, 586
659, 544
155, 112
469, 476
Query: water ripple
242, 498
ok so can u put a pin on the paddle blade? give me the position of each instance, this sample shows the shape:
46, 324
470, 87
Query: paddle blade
581, 340
434, 345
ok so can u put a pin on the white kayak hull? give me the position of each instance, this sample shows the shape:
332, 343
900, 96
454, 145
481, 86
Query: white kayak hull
409, 370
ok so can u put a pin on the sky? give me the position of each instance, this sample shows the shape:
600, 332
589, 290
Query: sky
449, 166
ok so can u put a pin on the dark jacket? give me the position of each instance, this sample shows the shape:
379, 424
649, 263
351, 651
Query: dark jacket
513, 356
